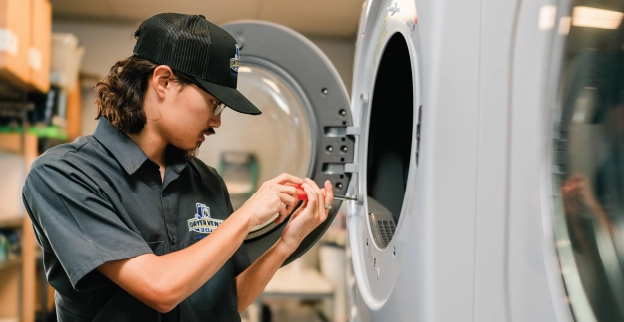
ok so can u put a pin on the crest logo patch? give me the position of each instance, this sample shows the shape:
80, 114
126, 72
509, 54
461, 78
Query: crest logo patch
235, 63
202, 222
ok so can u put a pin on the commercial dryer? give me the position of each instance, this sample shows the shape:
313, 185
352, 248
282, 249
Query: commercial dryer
512, 207
482, 143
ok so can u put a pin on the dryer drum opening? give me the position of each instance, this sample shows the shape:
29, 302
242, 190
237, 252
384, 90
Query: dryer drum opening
390, 135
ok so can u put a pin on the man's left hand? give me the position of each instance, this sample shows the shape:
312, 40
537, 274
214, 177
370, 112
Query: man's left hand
311, 213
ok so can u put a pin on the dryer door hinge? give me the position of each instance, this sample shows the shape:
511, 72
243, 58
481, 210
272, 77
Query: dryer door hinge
353, 130
351, 168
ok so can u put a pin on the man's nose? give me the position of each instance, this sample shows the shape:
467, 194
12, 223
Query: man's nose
216, 121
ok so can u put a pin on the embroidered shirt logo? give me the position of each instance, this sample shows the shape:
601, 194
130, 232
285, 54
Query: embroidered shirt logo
235, 63
203, 223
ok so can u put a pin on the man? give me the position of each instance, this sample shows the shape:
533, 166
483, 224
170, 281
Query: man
132, 226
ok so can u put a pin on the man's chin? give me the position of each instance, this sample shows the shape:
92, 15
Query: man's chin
191, 154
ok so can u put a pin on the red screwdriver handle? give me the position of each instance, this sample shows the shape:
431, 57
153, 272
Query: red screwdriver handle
301, 195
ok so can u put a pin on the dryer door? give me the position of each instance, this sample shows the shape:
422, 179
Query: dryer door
302, 130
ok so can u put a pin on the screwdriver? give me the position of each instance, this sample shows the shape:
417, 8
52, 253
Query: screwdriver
302, 195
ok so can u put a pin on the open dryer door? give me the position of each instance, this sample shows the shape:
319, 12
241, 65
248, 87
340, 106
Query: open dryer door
304, 126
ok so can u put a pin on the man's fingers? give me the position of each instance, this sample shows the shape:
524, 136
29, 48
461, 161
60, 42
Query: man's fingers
312, 185
287, 199
329, 193
279, 219
283, 211
289, 189
299, 210
321, 211
312, 196
320, 206
286, 178
289, 209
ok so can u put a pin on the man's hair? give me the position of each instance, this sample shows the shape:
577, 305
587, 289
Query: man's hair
119, 96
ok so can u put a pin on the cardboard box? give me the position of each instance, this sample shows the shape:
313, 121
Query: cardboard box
65, 58
12, 172
39, 53
15, 42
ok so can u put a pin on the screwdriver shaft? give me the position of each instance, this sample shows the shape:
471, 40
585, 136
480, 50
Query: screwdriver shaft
303, 196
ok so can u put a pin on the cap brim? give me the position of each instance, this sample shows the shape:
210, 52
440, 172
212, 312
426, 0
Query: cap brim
229, 96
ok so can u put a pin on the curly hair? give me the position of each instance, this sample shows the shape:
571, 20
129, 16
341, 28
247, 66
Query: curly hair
119, 96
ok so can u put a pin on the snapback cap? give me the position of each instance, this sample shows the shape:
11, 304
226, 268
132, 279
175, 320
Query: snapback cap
192, 45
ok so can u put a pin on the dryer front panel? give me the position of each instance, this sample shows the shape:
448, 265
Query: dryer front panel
386, 96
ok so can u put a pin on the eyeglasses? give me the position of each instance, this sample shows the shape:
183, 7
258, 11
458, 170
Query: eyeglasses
218, 107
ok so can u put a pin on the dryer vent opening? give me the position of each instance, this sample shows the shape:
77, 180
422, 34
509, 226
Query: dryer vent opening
390, 136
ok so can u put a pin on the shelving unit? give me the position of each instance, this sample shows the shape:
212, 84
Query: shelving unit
24, 68
23, 276
11, 223
18, 275
10, 262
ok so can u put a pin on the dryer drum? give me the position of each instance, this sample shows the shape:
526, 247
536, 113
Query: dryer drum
391, 125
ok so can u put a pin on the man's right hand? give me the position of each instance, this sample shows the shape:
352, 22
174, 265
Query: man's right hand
277, 195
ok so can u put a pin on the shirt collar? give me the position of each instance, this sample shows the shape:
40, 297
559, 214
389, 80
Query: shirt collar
126, 151
175, 158
196, 168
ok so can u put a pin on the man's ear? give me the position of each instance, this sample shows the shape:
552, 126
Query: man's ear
162, 80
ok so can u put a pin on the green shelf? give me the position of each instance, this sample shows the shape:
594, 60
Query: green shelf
50, 132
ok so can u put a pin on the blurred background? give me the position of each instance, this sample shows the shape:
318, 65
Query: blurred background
52, 53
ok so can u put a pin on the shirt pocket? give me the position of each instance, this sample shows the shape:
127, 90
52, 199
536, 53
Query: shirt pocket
218, 293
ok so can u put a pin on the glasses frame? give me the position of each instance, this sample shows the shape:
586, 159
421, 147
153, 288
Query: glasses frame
218, 107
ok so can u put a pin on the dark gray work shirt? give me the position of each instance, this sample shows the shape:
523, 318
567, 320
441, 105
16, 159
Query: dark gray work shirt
101, 198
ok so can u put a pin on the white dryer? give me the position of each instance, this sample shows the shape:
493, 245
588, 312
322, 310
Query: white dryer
512, 208
482, 142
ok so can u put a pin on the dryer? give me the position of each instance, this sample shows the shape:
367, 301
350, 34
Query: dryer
473, 130
512, 207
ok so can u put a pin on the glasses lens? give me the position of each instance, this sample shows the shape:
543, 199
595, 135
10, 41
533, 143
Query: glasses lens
219, 107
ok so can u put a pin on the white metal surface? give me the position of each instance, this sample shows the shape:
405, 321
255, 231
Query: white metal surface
474, 241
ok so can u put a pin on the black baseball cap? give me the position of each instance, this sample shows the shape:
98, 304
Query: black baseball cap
192, 45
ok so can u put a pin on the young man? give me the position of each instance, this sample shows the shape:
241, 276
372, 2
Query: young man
126, 217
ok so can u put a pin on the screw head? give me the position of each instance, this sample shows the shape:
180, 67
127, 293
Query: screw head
324, 91
342, 113
329, 148
344, 149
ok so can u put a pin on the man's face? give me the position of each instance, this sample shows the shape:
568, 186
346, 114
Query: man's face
187, 117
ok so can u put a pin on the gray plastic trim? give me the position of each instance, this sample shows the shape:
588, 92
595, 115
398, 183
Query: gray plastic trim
304, 66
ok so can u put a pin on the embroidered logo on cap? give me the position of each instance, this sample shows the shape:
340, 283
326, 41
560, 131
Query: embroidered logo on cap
235, 62
202, 223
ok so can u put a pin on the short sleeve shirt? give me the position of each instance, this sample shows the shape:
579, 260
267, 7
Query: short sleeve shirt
100, 199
